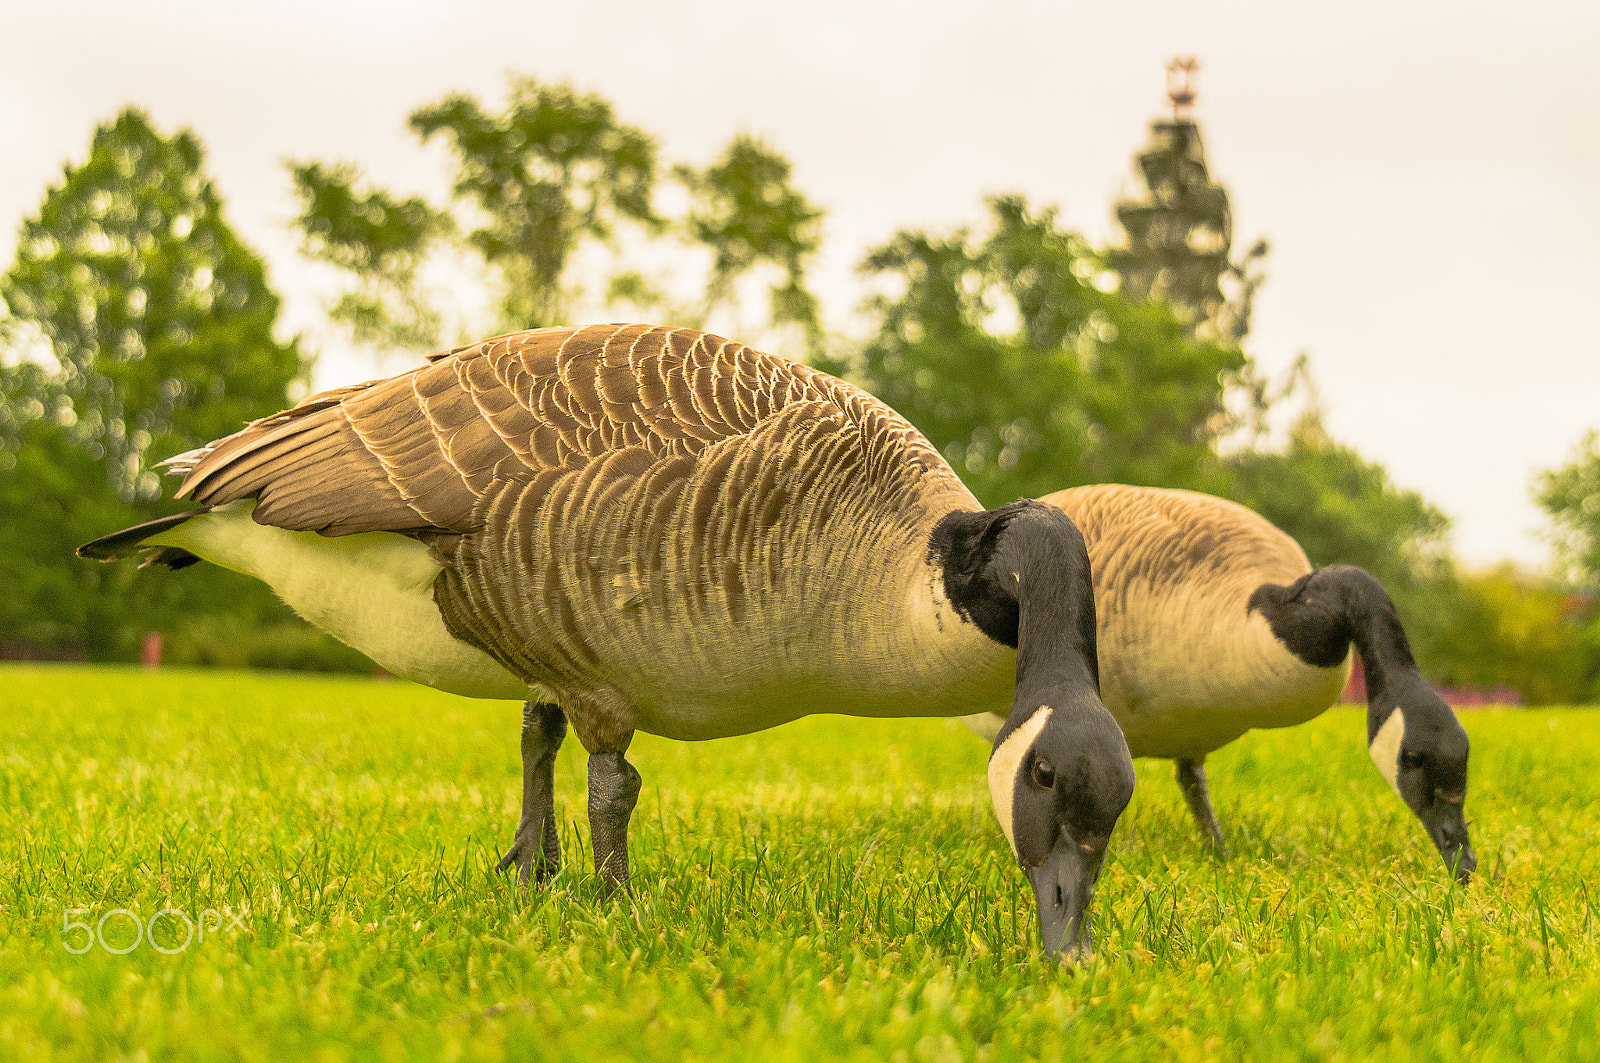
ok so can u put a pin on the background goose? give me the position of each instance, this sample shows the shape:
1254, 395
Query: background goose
649, 528
1212, 622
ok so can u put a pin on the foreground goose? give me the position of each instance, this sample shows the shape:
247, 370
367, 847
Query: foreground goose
1212, 623
637, 528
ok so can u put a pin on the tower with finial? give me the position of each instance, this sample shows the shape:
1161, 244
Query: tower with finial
1180, 84
1179, 225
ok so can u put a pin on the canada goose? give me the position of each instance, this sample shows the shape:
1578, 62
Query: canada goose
1212, 623
639, 528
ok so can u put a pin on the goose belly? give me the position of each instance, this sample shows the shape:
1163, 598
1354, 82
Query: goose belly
1183, 690
689, 653
372, 591
697, 711
696, 715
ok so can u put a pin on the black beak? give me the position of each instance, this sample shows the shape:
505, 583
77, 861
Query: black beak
1446, 824
1062, 887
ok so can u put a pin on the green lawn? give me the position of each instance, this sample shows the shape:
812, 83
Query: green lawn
831, 889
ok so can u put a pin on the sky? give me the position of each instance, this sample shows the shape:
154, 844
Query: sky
1426, 173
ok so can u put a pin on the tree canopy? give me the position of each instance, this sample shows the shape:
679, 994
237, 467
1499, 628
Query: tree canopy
1570, 495
158, 317
1027, 375
536, 183
382, 243
554, 168
746, 211
1179, 227
159, 327
136, 325
1341, 507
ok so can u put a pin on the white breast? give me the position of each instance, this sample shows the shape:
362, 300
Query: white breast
1185, 666
1183, 679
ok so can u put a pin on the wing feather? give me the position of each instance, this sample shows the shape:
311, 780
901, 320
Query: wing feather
536, 463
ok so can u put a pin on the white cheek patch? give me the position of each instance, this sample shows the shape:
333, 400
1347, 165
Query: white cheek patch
1385, 748
1003, 766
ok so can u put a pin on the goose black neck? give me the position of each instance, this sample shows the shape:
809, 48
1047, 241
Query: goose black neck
1056, 636
1378, 636
1021, 574
1320, 615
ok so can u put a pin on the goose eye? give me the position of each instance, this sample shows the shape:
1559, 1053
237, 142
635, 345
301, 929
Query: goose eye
1410, 760
1044, 776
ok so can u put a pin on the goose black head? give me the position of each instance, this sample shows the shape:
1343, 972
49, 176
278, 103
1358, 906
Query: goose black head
1059, 779
1415, 740
1421, 749
1060, 773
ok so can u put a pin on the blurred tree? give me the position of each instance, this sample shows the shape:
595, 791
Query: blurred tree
553, 169
382, 242
1570, 494
1502, 628
746, 211
535, 184
1179, 228
1342, 508
1338, 505
157, 324
1028, 376
53, 487
159, 318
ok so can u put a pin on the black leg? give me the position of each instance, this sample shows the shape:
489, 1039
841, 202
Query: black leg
613, 790
537, 849
1192, 781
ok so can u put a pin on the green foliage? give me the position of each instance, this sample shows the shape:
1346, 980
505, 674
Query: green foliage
833, 889
536, 184
1501, 628
1492, 630
159, 317
382, 242
159, 323
1341, 507
235, 641
55, 495
551, 170
746, 211
1028, 376
1344, 509
1570, 494
1338, 505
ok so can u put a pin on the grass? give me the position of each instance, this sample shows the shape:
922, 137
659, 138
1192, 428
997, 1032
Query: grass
833, 889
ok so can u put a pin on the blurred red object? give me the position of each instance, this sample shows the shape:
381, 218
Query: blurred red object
150, 650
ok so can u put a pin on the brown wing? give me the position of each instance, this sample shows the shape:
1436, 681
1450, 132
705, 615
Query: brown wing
418, 451
607, 499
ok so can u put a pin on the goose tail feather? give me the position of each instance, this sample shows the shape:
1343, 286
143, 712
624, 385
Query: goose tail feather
129, 541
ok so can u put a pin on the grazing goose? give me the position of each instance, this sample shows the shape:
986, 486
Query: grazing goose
1212, 623
636, 528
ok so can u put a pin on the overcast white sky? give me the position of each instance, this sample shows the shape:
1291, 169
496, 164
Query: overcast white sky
1428, 173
